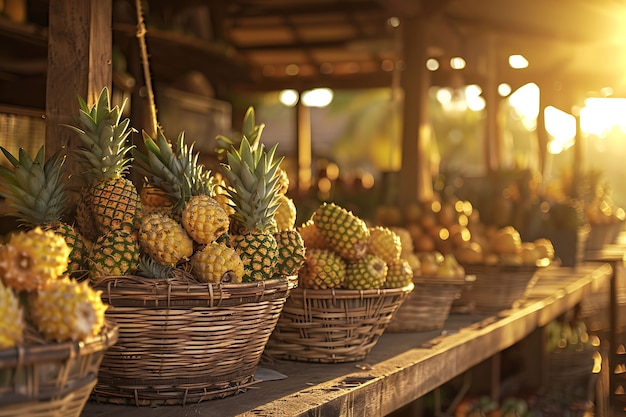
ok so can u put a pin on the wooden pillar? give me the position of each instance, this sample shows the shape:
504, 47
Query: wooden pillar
79, 64
492, 140
415, 179
303, 124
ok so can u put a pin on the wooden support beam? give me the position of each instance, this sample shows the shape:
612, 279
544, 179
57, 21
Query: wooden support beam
79, 64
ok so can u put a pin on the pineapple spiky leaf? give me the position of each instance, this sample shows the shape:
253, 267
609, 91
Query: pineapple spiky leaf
250, 130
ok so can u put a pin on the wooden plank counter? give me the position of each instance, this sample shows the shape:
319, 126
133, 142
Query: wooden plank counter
401, 367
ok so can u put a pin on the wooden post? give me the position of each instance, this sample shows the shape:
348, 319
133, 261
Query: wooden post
79, 64
304, 176
492, 100
415, 179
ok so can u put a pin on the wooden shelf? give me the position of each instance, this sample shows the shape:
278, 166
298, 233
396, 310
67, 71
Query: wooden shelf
401, 367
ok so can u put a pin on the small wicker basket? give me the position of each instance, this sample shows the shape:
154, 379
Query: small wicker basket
334, 325
428, 306
498, 287
184, 342
40, 379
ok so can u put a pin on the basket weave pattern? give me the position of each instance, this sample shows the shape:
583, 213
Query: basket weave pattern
183, 342
498, 287
51, 379
334, 325
428, 306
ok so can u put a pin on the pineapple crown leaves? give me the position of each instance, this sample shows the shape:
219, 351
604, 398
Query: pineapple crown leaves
249, 130
252, 174
104, 152
35, 187
174, 168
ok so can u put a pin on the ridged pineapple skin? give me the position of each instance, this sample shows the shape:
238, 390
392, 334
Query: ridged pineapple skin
114, 254
384, 243
259, 253
32, 258
291, 252
369, 272
399, 274
164, 239
214, 261
64, 310
115, 204
11, 319
312, 235
322, 269
204, 219
286, 213
347, 234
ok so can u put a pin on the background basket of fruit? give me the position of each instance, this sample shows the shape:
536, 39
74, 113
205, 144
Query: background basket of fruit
351, 284
506, 272
428, 306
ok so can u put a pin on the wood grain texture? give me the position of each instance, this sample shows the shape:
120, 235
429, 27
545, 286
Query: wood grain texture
400, 368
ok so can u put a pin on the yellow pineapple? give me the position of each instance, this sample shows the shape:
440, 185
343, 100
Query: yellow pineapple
217, 263
406, 239
204, 219
154, 199
11, 318
384, 243
312, 235
286, 213
33, 257
346, 233
322, 269
164, 239
65, 309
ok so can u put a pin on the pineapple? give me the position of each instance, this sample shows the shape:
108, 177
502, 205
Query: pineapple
367, 273
65, 309
113, 199
285, 215
346, 233
291, 252
406, 239
384, 243
217, 263
399, 274
204, 219
164, 239
154, 199
11, 318
115, 253
322, 269
251, 174
33, 257
312, 235
35, 188
174, 170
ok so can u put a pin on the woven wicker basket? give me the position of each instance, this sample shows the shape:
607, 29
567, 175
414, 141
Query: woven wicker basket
333, 326
498, 287
427, 307
183, 342
42, 379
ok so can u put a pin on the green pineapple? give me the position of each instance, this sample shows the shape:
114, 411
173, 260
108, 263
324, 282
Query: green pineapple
113, 199
251, 174
35, 188
346, 233
291, 252
366, 273
115, 253
399, 274
322, 269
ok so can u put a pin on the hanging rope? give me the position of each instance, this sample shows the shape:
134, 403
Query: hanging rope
141, 36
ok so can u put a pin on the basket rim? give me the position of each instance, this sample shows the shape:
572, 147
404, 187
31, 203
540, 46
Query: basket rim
345, 293
29, 354
480, 268
183, 291
437, 280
